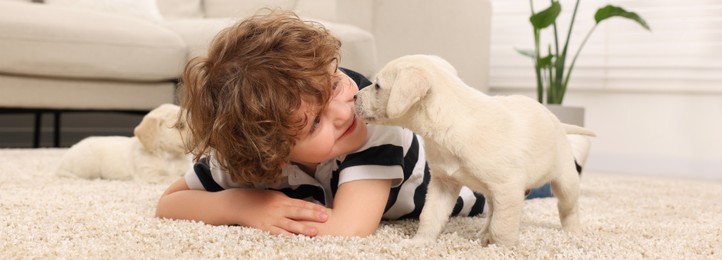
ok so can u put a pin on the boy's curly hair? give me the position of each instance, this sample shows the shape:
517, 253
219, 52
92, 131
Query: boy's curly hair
243, 99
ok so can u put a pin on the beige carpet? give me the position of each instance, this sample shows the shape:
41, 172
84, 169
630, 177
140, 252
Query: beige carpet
43, 216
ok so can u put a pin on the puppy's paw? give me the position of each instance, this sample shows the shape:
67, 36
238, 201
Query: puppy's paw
571, 224
573, 229
487, 239
505, 242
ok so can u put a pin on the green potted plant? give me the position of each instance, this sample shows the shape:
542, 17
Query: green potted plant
552, 72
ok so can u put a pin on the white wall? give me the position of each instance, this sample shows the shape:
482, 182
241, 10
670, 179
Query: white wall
661, 134
458, 31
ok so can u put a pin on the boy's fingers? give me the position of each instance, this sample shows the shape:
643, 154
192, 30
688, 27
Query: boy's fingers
309, 211
308, 215
310, 231
294, 227
310, 205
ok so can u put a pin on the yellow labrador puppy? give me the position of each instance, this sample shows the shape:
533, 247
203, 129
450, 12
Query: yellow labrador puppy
155, 154
498, 146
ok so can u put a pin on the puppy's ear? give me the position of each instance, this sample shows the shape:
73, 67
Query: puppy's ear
410, 85
147, 132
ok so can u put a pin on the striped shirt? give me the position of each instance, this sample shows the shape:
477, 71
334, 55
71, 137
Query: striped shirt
389, 152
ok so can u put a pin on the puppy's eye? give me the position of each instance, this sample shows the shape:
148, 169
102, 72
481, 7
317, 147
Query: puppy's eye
377, 87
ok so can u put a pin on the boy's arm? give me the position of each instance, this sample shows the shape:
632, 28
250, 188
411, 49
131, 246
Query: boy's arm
267, 210
358, 208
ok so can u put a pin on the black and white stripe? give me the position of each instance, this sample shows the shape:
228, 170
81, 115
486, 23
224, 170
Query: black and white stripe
390, 153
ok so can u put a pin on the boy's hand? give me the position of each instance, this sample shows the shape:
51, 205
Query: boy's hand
276, 213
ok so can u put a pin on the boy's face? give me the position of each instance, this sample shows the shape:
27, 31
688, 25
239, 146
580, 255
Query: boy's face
334, 131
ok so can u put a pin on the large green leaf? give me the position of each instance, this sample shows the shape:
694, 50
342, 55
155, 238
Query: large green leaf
610, 11
546, 17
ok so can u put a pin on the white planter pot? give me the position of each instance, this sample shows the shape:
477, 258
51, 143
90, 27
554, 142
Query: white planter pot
568, 114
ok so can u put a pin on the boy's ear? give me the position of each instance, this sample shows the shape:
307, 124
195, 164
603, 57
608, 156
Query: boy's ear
410, 85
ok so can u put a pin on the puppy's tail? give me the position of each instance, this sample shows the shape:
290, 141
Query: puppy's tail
577, 130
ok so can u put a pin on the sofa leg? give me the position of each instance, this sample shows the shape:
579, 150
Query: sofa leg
56, 129
36, 133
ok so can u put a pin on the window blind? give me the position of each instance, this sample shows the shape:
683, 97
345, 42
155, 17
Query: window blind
681, 53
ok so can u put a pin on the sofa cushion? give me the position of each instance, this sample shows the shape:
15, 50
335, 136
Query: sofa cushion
39, 92
49, 41
198, 33
180, 9
245, 8
145, 9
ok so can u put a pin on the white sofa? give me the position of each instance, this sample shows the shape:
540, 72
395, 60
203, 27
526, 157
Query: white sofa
56, 58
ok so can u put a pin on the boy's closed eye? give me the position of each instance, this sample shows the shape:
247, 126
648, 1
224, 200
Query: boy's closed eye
336, 90
315, 123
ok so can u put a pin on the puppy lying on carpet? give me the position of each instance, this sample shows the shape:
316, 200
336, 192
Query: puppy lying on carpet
498, 146
155, 154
